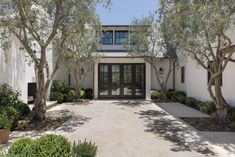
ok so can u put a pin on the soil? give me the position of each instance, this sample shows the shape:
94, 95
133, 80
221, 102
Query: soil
54, 119
208, 124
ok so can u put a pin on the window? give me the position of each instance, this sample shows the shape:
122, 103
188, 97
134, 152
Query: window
209, 74
107, 38
182, 74
120, 37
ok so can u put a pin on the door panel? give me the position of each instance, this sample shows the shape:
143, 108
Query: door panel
121, 81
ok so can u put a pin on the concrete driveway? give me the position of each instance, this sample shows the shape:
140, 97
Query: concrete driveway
135, 129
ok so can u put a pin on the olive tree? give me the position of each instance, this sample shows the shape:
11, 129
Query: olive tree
37, 24
202, 30
148, 40
79, 51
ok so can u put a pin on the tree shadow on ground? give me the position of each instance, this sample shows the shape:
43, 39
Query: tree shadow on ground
184, 139
71, 124
131, 103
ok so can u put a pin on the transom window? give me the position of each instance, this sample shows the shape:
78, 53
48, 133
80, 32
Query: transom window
120, 37
107, 38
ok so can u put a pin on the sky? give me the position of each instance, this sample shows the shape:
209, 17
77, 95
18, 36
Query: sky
122, 12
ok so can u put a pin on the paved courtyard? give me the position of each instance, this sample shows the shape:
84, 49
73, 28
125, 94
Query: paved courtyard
135, 129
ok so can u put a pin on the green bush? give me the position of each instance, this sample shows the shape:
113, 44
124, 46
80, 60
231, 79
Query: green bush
5, 122
83, 94
70, 96
45, 146
57, 96
84, 149
231, 114
177, 96
155, 94
22, 148
23, 109
207, 107
8, 96
11, 105
53, 145
59, 86
89, 93
192, 102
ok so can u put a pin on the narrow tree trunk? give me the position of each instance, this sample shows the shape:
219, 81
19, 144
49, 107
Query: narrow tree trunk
220, 102
40, 101
78, 91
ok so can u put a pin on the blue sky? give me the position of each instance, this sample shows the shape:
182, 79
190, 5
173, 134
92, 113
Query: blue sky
124, 11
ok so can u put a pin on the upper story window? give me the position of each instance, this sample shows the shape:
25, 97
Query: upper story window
107, 38
120, 37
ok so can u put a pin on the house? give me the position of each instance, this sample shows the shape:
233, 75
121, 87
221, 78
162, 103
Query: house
118, 75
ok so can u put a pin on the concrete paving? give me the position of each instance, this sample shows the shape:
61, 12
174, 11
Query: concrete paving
180, 110
133, 129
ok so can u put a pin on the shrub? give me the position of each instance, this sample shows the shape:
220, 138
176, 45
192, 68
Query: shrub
5, 122
155, 94
53, 145
84, 149
23, 109
89, 93
22, 148
177, 96
192, 102
82, 94
8, 96
231, 114
57, 96
207, 107
58, 86
70, 96
45, 146
181, 99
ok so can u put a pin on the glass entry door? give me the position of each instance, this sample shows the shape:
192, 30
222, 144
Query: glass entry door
121, 81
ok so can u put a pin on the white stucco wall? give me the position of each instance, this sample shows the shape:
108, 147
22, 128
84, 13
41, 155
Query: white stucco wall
196, 81
164, 64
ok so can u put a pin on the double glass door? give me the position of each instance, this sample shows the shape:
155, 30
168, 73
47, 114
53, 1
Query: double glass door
121, 80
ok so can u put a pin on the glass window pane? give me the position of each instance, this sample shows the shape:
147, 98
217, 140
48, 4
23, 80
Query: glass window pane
115, 79
103, 79
127, 86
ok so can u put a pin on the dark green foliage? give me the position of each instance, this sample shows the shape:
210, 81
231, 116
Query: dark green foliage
45, 146
192, 102
155, 94
84, 149
59, 86
207, 107
11, 106
231, 114
23, 109
70, 96
89, 93
57, 96
177, 96
5, 122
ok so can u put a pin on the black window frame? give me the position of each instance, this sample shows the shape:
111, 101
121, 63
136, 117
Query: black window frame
120, 37
105, 39
182, 74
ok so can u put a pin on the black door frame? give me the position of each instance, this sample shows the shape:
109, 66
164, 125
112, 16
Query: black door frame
122, 96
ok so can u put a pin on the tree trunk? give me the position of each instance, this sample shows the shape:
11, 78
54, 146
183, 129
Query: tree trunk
78, 91
39, 108
220, 102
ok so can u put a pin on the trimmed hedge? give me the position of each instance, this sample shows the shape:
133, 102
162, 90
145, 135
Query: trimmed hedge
192, 102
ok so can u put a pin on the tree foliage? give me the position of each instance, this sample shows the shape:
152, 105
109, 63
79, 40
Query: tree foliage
203, 30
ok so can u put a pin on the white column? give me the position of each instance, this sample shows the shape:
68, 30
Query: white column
96, 81
148, 81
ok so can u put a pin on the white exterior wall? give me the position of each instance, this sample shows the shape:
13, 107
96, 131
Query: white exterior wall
196, 81
161, 63
16, 72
